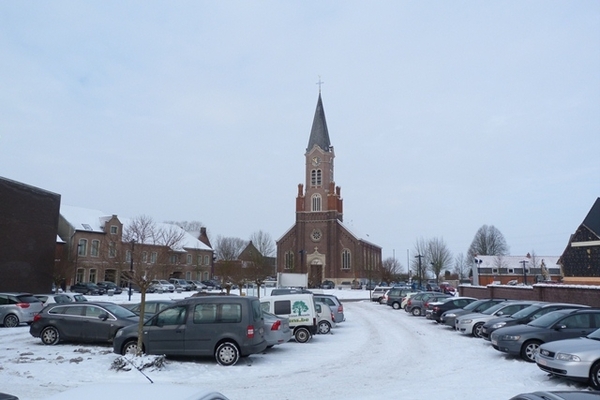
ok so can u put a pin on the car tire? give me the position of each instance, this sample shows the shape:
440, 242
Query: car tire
130, 348
595, 376
477, 329
396, 305
11, 321
416, 312
529, 349
324, 327
50, 336
302, 335
227, 354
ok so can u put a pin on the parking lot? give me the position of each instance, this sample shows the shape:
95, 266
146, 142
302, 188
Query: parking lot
377, 351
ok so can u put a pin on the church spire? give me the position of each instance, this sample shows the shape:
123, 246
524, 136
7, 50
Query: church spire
319, 134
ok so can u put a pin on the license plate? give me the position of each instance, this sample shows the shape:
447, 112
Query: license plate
495, 342
541, 361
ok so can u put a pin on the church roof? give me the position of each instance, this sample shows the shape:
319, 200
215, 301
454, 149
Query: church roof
319, 135
592, 220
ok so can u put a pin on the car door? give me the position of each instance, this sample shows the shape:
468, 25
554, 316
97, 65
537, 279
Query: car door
165, 334
203, 330
97, 324
572, 326
70, 322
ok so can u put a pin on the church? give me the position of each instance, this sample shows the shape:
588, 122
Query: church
319, 244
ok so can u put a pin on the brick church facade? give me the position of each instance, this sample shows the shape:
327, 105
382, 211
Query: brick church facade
319, 243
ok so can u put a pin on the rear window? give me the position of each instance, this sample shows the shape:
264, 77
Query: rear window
28, 298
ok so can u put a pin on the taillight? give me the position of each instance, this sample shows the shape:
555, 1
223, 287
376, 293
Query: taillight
340, 308
250, 332
23, 305
436, 309
37, 317
332, 317
409, 302
276, 325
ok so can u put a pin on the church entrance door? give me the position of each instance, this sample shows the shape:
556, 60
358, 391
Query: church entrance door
315, 276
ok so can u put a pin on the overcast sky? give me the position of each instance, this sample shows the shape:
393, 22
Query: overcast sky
444, 116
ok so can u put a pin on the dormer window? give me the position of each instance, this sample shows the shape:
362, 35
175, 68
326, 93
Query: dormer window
114, 229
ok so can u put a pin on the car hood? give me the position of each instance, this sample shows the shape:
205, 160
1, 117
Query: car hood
575, 345
518, 330
495, 320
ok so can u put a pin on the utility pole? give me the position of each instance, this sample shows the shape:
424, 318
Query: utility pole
420, 273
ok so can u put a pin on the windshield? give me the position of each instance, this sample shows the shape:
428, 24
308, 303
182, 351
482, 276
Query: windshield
524, 313
548, 319
119, 311
494, 308
594, 335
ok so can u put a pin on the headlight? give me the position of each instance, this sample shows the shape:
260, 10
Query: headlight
498, 325
119, 333
510, 337
567, 357
465, 321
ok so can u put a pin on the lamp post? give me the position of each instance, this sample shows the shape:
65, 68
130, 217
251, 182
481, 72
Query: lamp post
76, 258
478, 262
524, 262
301, 261
419, 272
131, 267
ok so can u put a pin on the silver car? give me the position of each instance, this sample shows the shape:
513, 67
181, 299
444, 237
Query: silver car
277, 329
577, 359
334, 304
17, 308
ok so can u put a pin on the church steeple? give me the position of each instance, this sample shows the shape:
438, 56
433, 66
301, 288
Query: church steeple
319, 134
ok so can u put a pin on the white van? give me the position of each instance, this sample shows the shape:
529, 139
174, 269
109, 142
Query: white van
299, 308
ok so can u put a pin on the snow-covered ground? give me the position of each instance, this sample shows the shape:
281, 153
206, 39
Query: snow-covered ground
377, 353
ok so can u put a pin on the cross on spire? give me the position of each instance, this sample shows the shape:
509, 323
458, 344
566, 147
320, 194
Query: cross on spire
320, 83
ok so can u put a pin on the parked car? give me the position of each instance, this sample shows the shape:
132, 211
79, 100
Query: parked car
327, 285
160, 285
378, 293
76, 297
449, 317
524, 340
88, 288
199, 285
277, 329
18, 307
435, 310
81, 322
471, 324
445, 287
524, 316
405, 299
212, 285
416, 304
107, 285
53, 298
395, 295
334, 304
181, 283
577, 359
151, 307
325, 320
224, 327
558, 395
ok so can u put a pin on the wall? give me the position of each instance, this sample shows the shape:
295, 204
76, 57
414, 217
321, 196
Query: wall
589, 295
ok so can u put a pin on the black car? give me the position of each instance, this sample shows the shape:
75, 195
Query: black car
87, 288
327, 285
106, 285
81, 322
524, 316
435, 310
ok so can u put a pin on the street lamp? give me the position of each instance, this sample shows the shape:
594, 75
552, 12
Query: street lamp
419, 272
131, 267
524, 262
478, 262
301, 260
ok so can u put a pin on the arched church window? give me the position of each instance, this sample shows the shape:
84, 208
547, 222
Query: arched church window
346, 259
316, 202
316, 177
289, 260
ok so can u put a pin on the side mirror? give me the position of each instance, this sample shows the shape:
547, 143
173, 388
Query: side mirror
103, 316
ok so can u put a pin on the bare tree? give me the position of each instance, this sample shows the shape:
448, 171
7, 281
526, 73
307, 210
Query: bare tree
488, 241
228, 248
145, 237
390, 269
438, 256
263, 243
461, 266
260, 266
227, 267
419, 263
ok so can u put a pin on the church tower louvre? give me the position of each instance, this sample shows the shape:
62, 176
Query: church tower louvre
319, 244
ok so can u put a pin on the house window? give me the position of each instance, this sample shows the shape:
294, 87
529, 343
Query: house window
93, 275
114, 229
189, 260
153, 257
82, 247
112, 250
145, 256
205, 275
188, 276
316, 202
206, 260
494, 270
346, 259
173, 259
128, 256
95, 249
511, 271
79, 275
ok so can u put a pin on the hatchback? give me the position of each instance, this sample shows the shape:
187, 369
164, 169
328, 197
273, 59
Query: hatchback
53, 298
224, 327
334, 304
81, 322
16, 308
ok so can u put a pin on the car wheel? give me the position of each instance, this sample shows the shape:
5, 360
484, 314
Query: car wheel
302, 335
529, 349
11, 320
50, 336
396, 306
227, 354
416, 312
324, 327
477, 329
595, 376
130, 348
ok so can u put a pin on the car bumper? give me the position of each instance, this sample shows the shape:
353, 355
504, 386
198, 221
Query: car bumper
505, 346
465, 329
568, 369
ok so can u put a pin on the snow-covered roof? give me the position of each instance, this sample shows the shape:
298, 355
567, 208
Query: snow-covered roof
516, 261
187, 242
